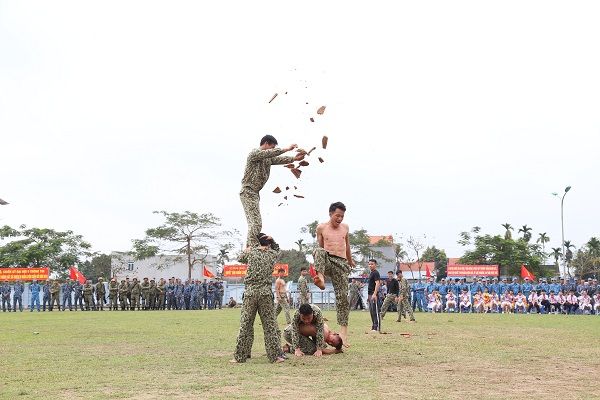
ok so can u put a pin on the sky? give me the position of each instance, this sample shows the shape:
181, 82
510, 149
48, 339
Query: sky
440, 115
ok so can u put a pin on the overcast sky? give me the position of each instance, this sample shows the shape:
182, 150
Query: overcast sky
440, 115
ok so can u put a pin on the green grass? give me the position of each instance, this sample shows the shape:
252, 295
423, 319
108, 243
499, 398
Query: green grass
185, 354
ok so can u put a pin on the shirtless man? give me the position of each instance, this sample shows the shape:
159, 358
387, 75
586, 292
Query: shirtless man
334, 259
310, 332
256, 174
281, 296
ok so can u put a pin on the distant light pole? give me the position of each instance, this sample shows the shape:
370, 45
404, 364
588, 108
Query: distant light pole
562, 219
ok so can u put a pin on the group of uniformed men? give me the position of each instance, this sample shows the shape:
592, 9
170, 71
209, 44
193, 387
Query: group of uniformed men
128, 295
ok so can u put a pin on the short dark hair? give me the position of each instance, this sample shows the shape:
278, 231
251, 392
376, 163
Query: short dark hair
303, 269
336, 205
269, 139
390, 272
305, 309
373, 260
262, 239
339, 342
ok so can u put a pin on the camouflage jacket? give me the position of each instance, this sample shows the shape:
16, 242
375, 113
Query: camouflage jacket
303, 285
260, 268
317, 322
113, 289
100, 289
258, 167
404, 288
88, 289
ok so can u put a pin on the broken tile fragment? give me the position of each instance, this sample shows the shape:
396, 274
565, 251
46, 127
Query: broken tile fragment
304, 163
277, 190
324, 141
296, 172
273, 98
321, 160
321, 110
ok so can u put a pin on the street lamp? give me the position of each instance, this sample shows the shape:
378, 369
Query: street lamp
562, 220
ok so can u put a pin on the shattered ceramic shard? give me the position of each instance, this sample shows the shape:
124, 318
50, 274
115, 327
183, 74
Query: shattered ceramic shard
321, 110
298, 196
285, 197
324, 141
311, 150
312, 119
287, 188
304, 163
296, 172
277, 190
273, 98
290, 166
280, 204
321, 160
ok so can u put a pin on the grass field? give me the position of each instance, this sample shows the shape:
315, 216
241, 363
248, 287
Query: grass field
185, 354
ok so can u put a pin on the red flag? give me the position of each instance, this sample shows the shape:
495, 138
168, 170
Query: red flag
427, 271
311, 271
75, 274
526, 274
207, 272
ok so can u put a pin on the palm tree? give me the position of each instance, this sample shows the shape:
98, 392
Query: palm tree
568, 255
594, 246
300, 244
223, 256
526, 233
556, 252
543, 239
508, 228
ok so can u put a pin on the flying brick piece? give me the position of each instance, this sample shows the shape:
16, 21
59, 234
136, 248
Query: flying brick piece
310, 151
290, 166
298, 196
277, 190
296, 172
321, 160
321, 110
324, 141
312, 119
304, 163
273, 98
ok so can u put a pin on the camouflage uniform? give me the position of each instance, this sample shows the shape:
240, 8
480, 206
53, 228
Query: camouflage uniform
55, 294
160, 288
88, 291
256, 174
145, 293
282, 304
113, 294
258, 297
100, 293
136, 290
123, 290
303, 289
5, 293
305, 344
338, 269
352, 295
152, 293
404, 304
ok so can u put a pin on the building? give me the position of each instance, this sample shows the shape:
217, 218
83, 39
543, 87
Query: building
164, 266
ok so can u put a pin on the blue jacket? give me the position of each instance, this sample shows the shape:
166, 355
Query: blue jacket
35, 289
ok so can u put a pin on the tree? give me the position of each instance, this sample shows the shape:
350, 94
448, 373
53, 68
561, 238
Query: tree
300, 243
295, 260
587, 259
543, 239
557, 254
509, 254
42, 247
526, 233
432, 254
507, 234
186, 234
416, 246
568, 255
399, 253
98, 267
360, 245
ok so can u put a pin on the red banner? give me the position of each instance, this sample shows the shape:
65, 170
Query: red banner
239, 270
24, 274
472, 270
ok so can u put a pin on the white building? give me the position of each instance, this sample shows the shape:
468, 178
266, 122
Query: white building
124, 265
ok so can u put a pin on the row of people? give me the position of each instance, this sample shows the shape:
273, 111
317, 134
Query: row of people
128, 295
508, 302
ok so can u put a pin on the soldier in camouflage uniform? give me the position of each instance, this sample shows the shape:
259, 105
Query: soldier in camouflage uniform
100, 294
145, 293
303, 297
404, 298
123, 290
220, 292
88, 292
161, 290
55, 295
306, 314
113, 294
393, 294
136, 291
258, 297
5, 293
256, 174
152, 294
46, 295
78, 295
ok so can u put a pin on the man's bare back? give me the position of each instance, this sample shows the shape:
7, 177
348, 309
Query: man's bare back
334, 239
280, 287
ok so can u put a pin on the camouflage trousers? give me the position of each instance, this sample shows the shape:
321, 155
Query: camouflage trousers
337, 269
135, 302
89, 303
112, 302
251, 203
100, 301
123, 301
404, 308
282, 304
387, 302
263, 304
304, 298
305, 344
54, 299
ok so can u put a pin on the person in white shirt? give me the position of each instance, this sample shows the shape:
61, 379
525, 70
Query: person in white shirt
562, 299
520, 303
597, 303
478, 302
496, 303
571, 303
585, 303
451, 301
533, 302
507, 302
465, 302
554, 306
544, 302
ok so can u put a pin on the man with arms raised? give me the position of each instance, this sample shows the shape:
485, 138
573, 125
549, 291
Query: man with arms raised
333, 259
256, 174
